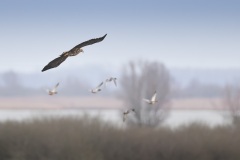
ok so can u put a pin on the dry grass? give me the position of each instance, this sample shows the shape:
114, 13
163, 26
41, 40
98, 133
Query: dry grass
91, 139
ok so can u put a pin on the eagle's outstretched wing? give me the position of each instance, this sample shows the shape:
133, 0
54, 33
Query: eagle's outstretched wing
54, 63
89, 42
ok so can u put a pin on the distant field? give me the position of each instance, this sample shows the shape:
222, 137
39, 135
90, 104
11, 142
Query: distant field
56, 102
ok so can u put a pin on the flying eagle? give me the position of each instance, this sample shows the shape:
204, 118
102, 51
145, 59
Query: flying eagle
73, 52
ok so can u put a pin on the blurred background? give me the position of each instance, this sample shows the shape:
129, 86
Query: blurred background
187, 51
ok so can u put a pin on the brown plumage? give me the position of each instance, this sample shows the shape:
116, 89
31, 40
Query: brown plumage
73, 52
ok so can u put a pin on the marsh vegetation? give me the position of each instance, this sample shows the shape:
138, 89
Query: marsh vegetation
76, 138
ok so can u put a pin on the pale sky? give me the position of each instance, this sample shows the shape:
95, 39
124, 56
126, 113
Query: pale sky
178, 33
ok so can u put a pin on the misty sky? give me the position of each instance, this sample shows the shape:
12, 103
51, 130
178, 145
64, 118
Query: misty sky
178, 33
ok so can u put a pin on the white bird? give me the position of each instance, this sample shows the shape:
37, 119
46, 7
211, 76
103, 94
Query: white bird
53, 91
125, 113
97, 89
111, 79
152, 100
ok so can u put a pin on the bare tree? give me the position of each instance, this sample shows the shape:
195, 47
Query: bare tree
11, 79
11, 84
140, 80
231, 101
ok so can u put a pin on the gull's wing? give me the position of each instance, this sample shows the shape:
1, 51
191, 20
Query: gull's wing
57, 85
89, 42
54, 63
55, 88
154, 96
100, 85
107, 81
146, 100
115, 81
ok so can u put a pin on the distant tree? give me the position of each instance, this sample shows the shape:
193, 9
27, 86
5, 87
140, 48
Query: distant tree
140, 80
231, 101
11, 79
11, 84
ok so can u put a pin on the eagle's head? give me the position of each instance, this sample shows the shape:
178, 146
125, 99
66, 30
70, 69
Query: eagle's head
64, 54
81, 50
